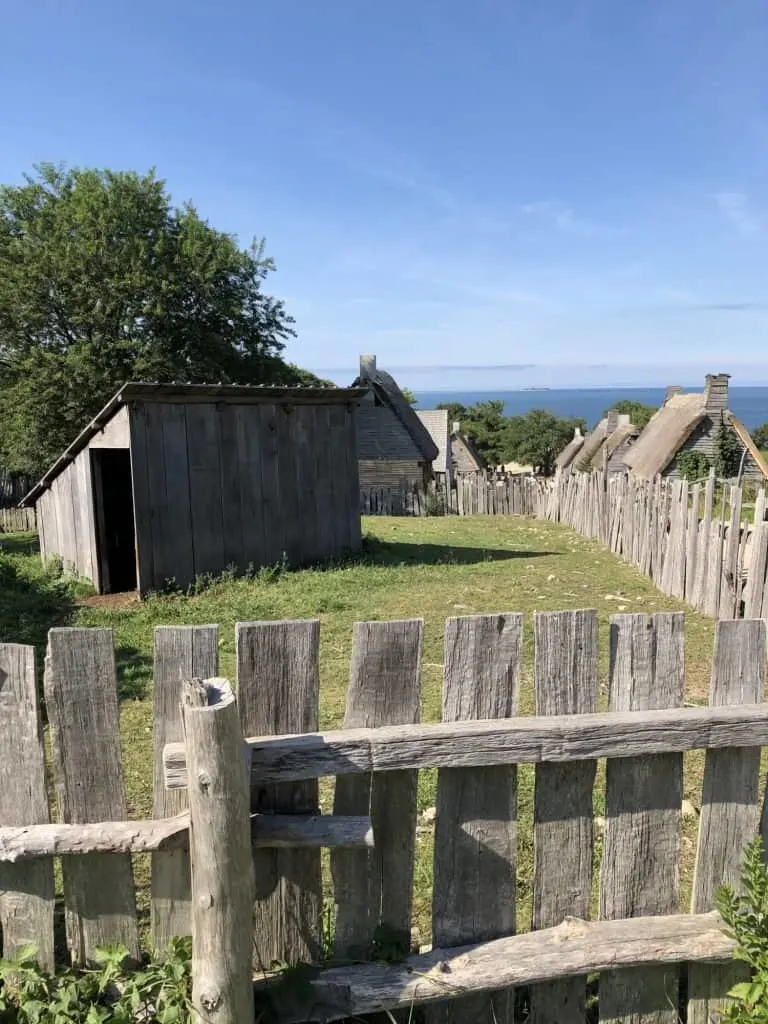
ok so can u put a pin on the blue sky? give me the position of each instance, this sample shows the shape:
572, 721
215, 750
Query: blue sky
580, 185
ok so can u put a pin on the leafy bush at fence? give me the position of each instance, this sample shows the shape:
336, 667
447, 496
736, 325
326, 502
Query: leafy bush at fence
693, 465
746, 919
157, 993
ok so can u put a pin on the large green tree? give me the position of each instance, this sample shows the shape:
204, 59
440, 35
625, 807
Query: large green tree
639, 413
538, 438
103, 280
760, 436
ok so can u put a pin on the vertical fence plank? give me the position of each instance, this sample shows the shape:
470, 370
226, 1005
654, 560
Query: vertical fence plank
730, 591
220, 847
181, 653
758, 570
729, 800
475, 830
278, 691
566, 684
641, 845
692, 544
26, 888
81, 700
373, 888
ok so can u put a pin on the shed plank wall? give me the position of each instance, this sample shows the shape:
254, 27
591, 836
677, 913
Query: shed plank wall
66, 516
387, 473
218, 484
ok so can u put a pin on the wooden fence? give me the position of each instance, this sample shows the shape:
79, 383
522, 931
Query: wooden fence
17, 520
471, 494
13, 487
259, 831
694, 546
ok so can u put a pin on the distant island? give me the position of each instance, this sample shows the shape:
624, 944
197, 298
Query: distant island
535, 389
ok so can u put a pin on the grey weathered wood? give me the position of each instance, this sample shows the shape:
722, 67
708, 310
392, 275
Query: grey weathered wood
758, 570
473, 893
704, 546
81, 700
730, 592
174, 515
204, 455
181, 653
26, 890
566, 683
729, 808
269, 458
574, 947
232, 484
692, 545
643, 800
142, 498
760, 506
276, 831
375, 889
278, 689
222, 866
527, 740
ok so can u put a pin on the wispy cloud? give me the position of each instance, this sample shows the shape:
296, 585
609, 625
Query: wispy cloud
560, 216
736, 209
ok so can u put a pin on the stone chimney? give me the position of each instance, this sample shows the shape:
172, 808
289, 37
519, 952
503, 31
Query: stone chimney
672, 390
455, 427
577, 433
613, 421
367, 367
716, 393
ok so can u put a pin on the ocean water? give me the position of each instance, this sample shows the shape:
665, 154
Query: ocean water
750, 405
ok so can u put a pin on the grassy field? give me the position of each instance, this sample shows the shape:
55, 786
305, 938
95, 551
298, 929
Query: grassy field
431, 568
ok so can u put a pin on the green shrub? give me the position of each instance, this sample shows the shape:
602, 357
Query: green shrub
728, 452
159, 992
693, 465
746, 920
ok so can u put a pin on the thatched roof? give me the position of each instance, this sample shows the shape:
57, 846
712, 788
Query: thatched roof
622, 433
386, 391
746, 439
569, 453
666, 432
593, 442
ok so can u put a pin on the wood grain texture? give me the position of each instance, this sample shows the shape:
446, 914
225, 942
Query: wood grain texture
641, 841
269, 458
729, 807
730, 588
181, 653
528, 740
475, 859
26, 890
566, 683
374, 890
222, 865
758, 570
278, 831
204, 481
81, 700
573, 947
142, 498
692, 545
278, 689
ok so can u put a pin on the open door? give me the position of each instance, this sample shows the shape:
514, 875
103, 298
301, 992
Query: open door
113, 505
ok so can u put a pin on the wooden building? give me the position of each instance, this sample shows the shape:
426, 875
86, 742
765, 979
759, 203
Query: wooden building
691, 423
465, 458
394, 447
170, 482
436, 422
603, 448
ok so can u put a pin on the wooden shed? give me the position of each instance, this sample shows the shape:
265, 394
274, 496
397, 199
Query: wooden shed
172, 481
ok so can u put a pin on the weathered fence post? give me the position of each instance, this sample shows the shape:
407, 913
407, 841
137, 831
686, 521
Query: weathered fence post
220, 850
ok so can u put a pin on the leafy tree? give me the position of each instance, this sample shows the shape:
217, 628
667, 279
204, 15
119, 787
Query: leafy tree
486, 424
728, 451
409, 396
102, 280
539, 437
639, 413
760, 436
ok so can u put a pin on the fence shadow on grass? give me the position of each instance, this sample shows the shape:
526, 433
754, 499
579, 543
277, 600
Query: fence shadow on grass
381, 552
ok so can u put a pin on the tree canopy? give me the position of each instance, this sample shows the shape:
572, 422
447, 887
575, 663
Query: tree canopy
534, 439
760, 436
639, 413
103, 280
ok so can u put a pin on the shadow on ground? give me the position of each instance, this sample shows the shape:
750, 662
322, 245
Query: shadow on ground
380, 552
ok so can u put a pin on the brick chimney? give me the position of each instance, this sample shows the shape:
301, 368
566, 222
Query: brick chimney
367, 367
672, 390
613, 421
716, 393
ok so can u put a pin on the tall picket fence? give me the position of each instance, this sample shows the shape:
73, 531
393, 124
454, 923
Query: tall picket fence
470, 494
236, 854
693, 540
17, 520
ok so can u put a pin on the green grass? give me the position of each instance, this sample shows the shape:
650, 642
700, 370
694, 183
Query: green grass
431, 568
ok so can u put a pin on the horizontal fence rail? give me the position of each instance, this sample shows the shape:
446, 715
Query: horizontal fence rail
229, 834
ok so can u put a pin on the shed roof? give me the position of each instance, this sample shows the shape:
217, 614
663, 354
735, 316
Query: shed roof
668, 429
436, 422
239, 394
385, 388
746, 439
622, 433
469, 447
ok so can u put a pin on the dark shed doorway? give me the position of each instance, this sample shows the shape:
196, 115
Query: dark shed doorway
113, 504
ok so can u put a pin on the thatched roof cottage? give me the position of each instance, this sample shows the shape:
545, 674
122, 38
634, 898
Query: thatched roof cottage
691, 423
394, 448
606, 445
